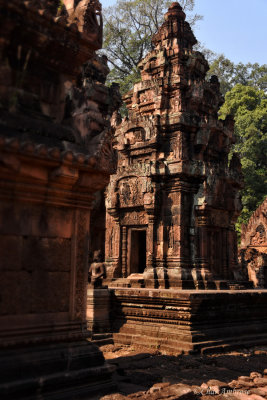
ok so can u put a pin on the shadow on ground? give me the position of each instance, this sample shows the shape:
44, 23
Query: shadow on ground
138, 371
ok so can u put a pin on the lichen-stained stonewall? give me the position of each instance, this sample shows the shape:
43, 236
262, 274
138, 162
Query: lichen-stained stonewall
173, 203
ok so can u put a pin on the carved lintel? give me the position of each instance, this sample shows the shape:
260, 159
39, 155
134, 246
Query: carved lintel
134, 218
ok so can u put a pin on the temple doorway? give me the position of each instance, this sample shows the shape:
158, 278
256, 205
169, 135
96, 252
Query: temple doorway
137, 259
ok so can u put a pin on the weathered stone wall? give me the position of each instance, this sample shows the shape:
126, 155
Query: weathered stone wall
55, 152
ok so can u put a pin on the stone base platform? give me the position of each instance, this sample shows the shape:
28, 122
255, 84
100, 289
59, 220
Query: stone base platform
64, 371
138, 281
97, 312
175, 321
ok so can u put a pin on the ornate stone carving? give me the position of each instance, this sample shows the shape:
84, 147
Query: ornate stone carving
253, 249
173, 166
130, 193
134, 218
260, 237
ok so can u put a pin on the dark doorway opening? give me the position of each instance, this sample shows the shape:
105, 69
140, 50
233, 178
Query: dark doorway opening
138, 251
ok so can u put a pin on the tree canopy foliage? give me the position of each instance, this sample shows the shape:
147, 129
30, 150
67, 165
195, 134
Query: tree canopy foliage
248, 105
128, 29
244, 87
230, 74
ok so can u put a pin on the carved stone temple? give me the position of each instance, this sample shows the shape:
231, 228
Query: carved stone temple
55, 152
253, 249
173, 203
171, 209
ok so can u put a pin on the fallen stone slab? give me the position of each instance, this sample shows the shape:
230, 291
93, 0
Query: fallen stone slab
116, 396
217, 385
262, 391
256, 397
182, 392
260, 381
245, 378
254, 375
239, 384
158, 386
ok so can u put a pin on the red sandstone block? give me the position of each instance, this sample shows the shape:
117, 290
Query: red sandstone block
254, 375
260, 381
15, 289
11, 247
245, 378
257, 397
261, 391
46, 298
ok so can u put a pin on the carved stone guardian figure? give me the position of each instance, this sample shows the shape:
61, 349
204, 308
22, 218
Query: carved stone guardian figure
97, 270
98, 298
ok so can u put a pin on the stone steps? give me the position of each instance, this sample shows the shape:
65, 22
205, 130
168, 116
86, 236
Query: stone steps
102, 339
234, 343
178, 346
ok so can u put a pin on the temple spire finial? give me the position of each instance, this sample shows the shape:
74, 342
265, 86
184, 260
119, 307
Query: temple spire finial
175, 10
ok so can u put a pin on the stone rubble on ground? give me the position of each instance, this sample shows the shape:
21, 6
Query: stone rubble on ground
189, 377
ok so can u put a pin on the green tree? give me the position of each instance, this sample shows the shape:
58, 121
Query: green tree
128, 29
223, 68
248, 105
230, 74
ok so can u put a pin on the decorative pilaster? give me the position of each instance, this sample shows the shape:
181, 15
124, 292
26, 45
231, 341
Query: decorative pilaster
124, 251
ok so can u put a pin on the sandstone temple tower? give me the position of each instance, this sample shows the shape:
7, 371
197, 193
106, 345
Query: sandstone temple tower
174, 200
171, 210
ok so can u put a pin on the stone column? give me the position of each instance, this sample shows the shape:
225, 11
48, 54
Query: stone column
178, 212
203, 274
232, 251
225, 272
112, 245
203, 249
124, 251
150, 241
152, 275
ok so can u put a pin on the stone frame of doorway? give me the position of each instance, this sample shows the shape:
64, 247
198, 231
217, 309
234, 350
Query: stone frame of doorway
135, 230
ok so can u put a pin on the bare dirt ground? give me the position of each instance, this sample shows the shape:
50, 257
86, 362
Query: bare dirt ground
235, 375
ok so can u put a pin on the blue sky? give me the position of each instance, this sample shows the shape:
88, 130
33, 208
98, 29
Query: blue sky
236, 28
